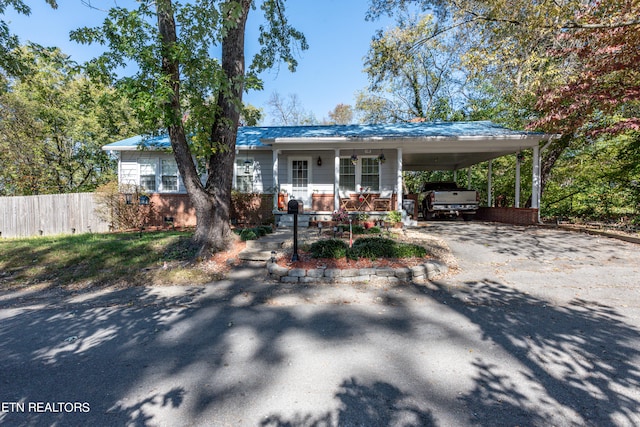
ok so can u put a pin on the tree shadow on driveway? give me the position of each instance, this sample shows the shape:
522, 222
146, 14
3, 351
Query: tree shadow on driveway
579, 361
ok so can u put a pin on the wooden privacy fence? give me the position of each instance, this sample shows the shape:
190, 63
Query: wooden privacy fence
24, 216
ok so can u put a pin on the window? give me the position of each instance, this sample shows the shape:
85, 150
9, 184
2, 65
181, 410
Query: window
370, 178
347, 175
365, 173
244, 175
169, 175
148, 174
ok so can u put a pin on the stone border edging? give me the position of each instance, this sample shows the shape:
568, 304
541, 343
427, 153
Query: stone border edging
603, 233
429, 270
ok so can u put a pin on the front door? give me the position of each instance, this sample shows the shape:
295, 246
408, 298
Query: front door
300, 169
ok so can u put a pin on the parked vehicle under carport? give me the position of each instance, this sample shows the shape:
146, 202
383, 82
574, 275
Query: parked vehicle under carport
447, 200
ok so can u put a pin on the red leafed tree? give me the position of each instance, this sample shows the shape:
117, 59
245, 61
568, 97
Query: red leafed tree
599, 88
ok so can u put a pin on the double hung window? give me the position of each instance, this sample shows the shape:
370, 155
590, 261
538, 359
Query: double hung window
365, 174
148, 174
169, 175
244, 175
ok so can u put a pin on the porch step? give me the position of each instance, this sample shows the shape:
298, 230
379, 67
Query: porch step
260, 249
287, 221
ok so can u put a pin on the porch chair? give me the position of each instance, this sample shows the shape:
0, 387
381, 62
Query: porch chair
348, 204
382, 204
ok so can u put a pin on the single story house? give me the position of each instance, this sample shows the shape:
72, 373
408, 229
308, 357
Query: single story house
357, 167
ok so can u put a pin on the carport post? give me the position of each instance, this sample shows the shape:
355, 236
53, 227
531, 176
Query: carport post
535, 182
276, 183
336, 180
399, 180
518, 160
469, 178
489, 184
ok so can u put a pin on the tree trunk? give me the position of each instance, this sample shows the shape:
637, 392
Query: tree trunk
549, 158
212, 202
214, 232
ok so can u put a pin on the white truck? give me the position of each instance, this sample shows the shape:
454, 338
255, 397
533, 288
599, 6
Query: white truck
446, 199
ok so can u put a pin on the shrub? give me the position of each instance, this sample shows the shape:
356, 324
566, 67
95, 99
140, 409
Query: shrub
113, 207
380, 247
358, 229
374, 247
329, 248
267, 228
259, 231
374, 230
394, 217
248, 234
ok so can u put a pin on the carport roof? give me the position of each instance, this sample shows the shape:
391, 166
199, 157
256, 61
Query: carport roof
425, 145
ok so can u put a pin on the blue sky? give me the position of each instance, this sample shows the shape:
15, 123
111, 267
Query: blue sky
329, 72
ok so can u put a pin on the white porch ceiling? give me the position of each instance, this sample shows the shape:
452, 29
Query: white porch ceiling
424, 153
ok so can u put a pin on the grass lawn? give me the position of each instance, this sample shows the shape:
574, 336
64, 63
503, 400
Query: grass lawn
80, 261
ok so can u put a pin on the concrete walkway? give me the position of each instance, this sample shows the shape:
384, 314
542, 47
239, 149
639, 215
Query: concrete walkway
537, 328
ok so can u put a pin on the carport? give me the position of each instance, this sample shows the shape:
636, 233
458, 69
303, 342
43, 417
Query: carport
423, 146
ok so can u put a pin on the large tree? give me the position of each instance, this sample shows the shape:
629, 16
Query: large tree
289, 111
53, 123
411, 78
11, 64
555, 66
182, 89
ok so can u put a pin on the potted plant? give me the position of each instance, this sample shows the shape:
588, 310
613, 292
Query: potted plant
394, 218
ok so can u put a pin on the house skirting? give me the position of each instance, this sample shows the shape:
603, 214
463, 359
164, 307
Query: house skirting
177, 210
516, 216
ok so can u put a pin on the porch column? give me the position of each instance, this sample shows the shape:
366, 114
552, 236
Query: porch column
517, 201
276, 183
489, 198
455, 175
399, 180
336, 180
469, 178
535, 181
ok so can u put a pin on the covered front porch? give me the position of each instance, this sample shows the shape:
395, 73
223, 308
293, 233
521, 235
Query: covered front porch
360, 168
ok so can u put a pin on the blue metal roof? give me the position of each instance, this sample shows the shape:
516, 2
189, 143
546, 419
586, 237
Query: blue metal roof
253, 136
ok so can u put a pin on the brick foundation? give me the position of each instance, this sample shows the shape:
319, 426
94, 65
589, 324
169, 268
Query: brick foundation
178, 211
516, 216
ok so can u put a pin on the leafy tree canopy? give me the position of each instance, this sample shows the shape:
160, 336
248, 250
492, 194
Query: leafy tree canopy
53, 123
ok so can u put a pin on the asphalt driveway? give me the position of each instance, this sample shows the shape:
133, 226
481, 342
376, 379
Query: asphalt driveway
537, 327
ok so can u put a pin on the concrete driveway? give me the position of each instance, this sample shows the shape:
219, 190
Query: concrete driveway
538, 327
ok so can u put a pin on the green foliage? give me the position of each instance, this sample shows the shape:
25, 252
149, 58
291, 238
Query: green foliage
329, 248
380, 247
411, 77
366, 247
248, 234
53, 124
597, 181
374, 230
394, 217
254, 232
358, 229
